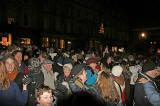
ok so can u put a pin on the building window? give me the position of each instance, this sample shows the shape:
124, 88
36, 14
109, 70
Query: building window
11, 20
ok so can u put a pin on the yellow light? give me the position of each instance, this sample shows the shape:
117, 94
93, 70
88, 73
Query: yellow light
143, 34
61, 43
9, 39
69, 42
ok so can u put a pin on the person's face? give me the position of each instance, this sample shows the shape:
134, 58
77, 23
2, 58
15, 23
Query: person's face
46, 99
47, 67
82, 52
93, 65
66, 71
75, 59
109, 60
83, 76
9, 63
18, 57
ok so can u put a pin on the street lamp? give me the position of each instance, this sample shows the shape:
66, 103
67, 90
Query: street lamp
143, 35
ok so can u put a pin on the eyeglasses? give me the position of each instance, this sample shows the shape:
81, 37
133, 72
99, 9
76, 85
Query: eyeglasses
47, 97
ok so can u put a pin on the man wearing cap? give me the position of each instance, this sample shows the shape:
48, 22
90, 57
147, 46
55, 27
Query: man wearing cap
146, 92
48, 73
79, 78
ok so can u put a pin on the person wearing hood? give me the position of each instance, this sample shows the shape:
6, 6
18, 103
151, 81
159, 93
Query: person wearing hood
35, 79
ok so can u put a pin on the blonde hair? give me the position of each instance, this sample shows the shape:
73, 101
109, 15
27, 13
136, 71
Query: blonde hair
4, 80
16, 66
106, 85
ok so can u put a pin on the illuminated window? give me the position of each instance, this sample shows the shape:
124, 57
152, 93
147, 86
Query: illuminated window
11, 20
101, 31
61, 43
4, 41
26, 41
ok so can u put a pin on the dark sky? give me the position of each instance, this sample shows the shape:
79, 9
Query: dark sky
142, 13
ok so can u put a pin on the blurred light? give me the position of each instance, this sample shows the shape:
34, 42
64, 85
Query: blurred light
158, 51
143, 34
69, 42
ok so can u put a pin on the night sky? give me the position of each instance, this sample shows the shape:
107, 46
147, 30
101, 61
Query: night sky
142, 13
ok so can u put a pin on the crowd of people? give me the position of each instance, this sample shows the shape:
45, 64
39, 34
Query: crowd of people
32, 76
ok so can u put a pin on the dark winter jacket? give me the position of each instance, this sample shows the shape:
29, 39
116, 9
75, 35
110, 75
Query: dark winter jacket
19, 79
13, 96
77, 86
140, 96
37, 78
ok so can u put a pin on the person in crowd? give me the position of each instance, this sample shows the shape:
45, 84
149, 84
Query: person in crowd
42, 56
66, 76
107, 61
36, 78
44, 96
133, 68
18, 57
58, 65
146, 92
62, 80
108, 92
91, 71
75, 60
13, 70
119, 82
106, 51
26, 57
127, 76
48, 73
79, 78
10, 94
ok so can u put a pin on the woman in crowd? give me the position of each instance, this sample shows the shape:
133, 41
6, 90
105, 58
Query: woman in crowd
10, 94
108, 92
13, 70
91, 71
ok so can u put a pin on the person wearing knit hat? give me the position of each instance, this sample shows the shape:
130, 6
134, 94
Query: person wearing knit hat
91, 71
117, 70
119, 81
79, 78
146, 91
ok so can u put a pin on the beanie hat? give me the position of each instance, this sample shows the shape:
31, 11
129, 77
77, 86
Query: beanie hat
91, 60
46, 61
77, 69
68, 66
117, 70
148, 66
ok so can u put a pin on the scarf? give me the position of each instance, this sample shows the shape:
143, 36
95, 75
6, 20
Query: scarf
12, 75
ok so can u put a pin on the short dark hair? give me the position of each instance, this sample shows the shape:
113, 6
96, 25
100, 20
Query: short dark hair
41, 89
